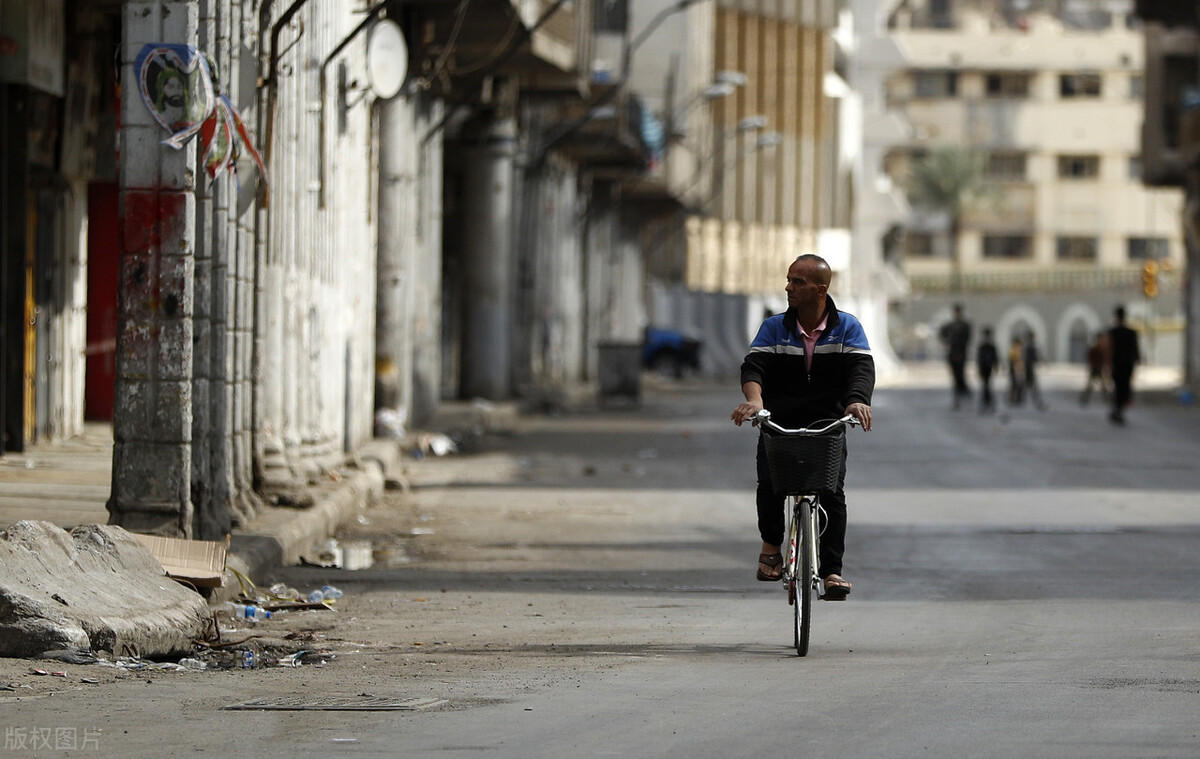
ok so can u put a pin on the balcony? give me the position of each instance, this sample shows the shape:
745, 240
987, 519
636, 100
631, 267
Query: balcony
1013, 208
559, 53
498, 37
1026, 280
616, 140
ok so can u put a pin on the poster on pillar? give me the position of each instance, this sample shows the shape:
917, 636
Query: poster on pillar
181, 93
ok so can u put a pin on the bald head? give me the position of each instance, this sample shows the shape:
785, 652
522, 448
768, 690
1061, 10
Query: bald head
819, 267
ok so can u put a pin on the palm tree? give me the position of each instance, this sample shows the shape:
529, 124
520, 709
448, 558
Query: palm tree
950, 179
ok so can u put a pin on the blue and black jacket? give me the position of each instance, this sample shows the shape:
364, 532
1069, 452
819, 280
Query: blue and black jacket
843, 371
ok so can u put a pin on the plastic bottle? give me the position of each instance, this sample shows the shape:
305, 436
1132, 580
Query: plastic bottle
316, 597
248, 660
255, 613
331, 593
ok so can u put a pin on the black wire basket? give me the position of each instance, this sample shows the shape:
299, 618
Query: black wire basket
801, 464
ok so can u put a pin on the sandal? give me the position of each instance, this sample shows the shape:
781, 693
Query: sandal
772, 561
836, 588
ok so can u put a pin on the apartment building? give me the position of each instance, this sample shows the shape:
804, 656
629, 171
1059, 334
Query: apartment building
1171, 137
748, 98
1047, 97
773, 147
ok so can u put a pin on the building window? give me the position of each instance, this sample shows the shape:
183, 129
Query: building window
1076, 248
1135, 168
1007, 85
935, 84
1079, 85
611, 16
1137, 87
1148, 248
1005, 167
918, 244
1007, 246
1078, 166
1178, 81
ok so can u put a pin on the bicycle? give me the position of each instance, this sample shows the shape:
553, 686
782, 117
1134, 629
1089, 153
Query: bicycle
803, 463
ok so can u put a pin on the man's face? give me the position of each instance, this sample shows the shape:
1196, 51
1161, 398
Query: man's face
804, 286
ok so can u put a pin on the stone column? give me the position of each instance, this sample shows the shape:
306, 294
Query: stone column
487, 259
427, 293
152, 423
394, 283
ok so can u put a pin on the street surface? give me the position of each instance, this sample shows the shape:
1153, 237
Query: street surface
1025, 585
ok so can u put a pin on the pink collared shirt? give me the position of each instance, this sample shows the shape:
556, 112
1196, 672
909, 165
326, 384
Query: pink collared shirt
810, 340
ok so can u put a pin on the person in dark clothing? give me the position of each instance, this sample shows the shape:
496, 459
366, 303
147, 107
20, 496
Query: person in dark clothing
956, 336
809, 363
1033, 357
1123, 356
1097, 361
986, 358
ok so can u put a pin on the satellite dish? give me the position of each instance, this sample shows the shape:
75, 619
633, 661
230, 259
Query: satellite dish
387, 59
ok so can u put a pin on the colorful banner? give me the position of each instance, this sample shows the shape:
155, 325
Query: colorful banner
177, 86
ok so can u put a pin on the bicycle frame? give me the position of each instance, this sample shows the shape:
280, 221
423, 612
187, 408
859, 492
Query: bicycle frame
798, 514
802, 541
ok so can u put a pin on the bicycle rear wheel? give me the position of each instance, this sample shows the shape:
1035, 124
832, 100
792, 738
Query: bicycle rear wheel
805, 571
791, 559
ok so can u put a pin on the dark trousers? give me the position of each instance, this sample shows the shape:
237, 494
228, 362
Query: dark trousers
986, 402
1122, 388
771, 517
959, 370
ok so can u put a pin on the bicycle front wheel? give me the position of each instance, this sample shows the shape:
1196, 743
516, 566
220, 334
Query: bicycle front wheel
805, 572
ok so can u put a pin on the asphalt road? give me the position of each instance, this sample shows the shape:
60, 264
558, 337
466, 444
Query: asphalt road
1025, 585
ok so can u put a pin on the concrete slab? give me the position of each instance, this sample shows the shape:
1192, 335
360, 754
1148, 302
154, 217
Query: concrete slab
94, 587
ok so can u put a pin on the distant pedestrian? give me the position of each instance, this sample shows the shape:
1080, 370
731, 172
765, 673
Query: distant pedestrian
1016, 371
956, 336
1097, 365
1033, 357
986, 359
1124, 355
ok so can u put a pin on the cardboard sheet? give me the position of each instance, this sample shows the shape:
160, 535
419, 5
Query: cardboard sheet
199, 562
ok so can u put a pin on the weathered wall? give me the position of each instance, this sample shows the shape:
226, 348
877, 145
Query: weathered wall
616, 302
551, 331
316, 276
408, 313
222, 460
246, 347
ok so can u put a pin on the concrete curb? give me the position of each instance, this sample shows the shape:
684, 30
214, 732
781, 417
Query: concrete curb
281, 536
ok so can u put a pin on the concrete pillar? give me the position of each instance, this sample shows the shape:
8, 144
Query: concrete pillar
152, 424
487, 259
395, 280
427, 273
218, 308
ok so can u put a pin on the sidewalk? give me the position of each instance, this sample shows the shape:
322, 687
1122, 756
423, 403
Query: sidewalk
68, 483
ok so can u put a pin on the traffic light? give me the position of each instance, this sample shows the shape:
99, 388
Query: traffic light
1150, 279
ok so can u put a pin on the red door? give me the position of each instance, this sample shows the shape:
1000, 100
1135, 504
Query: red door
101, 300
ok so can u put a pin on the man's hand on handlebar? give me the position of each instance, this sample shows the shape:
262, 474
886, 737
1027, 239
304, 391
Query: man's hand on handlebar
861, 412
744, 412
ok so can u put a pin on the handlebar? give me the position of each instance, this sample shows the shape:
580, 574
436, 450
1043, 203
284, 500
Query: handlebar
764, 418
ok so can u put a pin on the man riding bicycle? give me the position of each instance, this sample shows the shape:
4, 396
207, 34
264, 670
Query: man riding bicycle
809, 363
